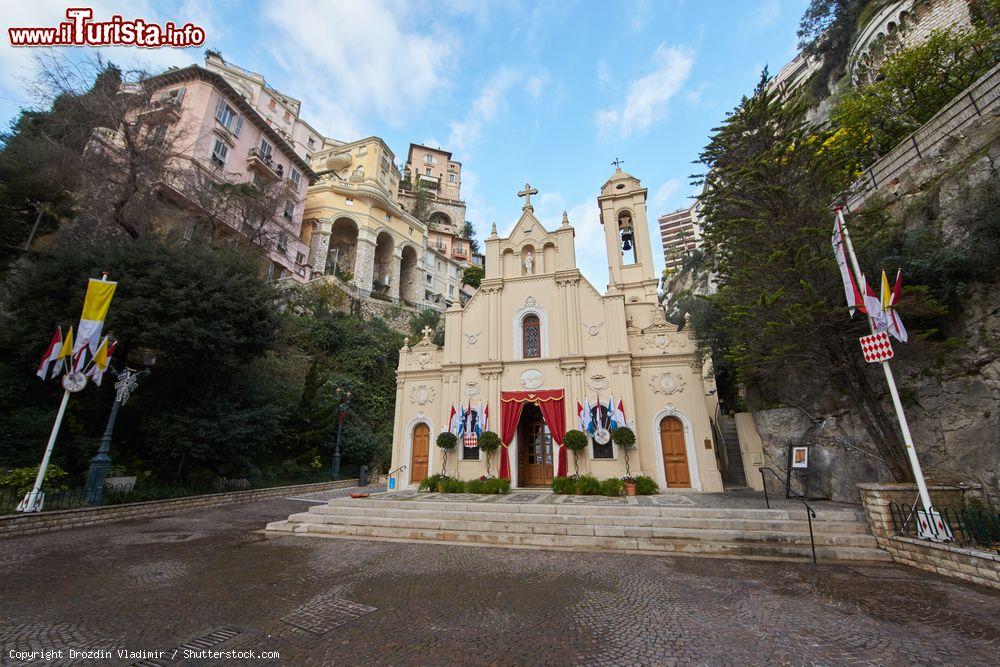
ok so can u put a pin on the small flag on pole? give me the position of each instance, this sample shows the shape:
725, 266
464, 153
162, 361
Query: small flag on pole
64, 353
95, 308
101, 361
51, 354
854, 300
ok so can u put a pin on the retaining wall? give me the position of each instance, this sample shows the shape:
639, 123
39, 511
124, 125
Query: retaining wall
15, 525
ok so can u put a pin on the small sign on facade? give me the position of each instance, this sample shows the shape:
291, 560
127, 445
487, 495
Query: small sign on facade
800, 458
391, 483
876, 347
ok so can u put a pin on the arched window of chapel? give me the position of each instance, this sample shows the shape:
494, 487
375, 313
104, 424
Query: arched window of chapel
531, 337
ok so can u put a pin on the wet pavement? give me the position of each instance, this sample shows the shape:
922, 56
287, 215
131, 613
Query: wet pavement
208, 581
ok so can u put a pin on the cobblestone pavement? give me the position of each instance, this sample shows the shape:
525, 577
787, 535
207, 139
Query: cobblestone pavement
207, 579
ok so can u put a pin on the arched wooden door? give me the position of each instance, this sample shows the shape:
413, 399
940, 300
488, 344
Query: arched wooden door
420, 452
675, 463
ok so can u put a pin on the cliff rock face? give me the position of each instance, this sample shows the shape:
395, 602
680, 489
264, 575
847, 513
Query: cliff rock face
951, 398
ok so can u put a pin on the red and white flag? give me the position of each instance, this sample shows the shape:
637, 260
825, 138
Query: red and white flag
873, 306
51, 354
854, 301
896, 328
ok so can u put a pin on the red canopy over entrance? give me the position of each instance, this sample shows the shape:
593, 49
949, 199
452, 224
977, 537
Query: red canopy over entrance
552, 404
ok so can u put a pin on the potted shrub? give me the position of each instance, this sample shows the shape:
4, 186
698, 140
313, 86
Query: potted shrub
447, 441
612, 487
575, 441
489, 442
588, 485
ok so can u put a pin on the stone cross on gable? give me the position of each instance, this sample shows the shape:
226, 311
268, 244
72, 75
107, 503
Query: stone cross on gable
427, 331
526, 193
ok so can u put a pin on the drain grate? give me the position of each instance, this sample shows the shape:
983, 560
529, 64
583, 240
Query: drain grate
176, 654
324, 614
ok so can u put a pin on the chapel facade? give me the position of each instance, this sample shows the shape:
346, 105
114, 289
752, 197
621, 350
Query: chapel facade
538, 340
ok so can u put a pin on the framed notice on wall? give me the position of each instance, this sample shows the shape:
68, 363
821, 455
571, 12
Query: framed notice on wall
800, 458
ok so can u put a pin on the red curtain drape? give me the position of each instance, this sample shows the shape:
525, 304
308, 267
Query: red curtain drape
510, 415
552, 405
554, 414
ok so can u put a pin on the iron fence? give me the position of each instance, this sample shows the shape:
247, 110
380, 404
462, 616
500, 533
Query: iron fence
117, 494
969, 526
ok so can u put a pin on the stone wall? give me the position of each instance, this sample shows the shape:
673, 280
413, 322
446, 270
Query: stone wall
15, 525
972, 565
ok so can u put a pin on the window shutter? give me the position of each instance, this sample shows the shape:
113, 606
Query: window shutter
238, 125
220, 109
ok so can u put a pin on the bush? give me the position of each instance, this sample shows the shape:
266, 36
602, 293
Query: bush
451, 485
612, 487
447, 441
475, 486
431, 482
588, 485
645, 486
496, 486
22, 480
563, 485
575, 440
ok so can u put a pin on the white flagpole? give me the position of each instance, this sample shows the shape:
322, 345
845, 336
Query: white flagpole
33, 500
911, 452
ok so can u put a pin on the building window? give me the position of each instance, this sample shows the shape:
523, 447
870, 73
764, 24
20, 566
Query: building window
388, 217
219, 152
294, 176
428, 159
228, 117
430, 279
282, 241
158, 134
300, 258
289, 209
265, 148
427, 171
272, 104
312, 142
189, 230
349, 201
531, 337
451, 290
599, 413
288, 117
451, 178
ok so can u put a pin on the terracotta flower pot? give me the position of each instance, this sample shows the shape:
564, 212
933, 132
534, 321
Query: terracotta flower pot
629, 488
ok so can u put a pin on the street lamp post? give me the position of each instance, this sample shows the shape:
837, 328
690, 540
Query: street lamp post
93, 490
343, 400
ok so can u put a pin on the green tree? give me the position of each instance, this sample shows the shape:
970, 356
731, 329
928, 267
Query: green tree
781, 320
469, 232
473, 275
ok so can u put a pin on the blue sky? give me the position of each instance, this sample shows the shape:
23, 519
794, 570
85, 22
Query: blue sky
548, 92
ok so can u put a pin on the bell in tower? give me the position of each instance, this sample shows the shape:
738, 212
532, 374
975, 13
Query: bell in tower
623, 216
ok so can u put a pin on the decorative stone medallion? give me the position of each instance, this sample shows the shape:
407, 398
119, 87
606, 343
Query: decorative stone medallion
422, 394
423, 359
667, 383
530, 301
597, 382
592, 329
473, 338
532, 378
657, 340
471, 388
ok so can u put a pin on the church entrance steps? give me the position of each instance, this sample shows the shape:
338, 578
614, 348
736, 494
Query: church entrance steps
840, 534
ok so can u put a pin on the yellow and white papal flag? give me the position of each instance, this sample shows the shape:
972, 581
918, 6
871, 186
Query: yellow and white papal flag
95, 308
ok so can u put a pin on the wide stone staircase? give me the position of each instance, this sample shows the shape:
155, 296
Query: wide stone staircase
841, 534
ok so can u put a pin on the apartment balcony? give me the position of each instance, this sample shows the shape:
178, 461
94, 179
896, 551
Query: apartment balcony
166, 110
431, 182
264, 164
459, 252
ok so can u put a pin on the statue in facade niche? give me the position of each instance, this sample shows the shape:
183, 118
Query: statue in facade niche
529, 263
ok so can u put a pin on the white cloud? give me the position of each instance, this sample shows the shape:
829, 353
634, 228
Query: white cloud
19, 65
637, 14
765, 15
353, 61
662, 196
648, 96
490, 102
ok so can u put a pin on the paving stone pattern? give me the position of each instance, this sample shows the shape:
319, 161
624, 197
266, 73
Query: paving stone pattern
176, 581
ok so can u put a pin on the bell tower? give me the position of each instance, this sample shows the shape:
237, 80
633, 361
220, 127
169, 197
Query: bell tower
626, 236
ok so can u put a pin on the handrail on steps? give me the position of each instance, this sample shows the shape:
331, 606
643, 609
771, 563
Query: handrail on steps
810, 512
395, 470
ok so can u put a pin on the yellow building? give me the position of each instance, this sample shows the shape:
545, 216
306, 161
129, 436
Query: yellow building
358, 231
538, 340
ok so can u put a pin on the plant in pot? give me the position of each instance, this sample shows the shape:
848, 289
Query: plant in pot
575, 441
624, 437
447, 441
489, 442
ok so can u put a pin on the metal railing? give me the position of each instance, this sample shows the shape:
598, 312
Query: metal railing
976, 101
810, 512
973, 527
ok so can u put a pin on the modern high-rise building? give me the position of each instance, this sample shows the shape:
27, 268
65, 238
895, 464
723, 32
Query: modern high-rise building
680, 233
